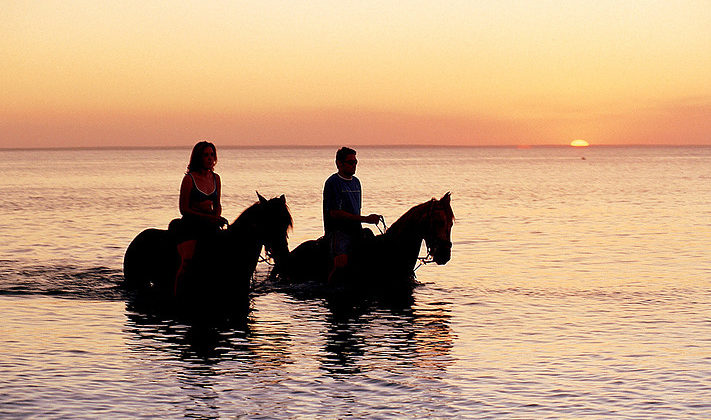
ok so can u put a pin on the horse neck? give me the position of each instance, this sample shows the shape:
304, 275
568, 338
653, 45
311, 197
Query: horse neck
409, 226
244, 229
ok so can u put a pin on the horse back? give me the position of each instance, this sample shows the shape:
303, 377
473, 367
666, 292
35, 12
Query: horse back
152, 257
308, 261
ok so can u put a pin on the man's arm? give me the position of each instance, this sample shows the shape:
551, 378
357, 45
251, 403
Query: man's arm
344, 215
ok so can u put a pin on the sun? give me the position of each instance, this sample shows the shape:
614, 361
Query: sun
579, 143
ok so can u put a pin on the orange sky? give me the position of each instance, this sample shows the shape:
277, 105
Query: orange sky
150, 73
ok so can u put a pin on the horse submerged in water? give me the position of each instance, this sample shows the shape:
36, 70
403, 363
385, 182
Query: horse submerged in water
383, 262
223, 264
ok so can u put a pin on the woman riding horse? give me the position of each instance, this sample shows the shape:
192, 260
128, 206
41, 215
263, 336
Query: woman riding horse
199, 204
223, 263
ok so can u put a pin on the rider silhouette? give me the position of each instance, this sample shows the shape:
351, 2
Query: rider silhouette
342, 200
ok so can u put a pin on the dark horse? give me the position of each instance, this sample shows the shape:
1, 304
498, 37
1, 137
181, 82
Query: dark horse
223, 264
383, 261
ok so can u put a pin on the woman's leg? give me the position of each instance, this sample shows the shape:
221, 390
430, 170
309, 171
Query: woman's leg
187, 251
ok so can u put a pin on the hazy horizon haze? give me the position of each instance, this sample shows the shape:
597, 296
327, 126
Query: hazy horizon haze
85, 74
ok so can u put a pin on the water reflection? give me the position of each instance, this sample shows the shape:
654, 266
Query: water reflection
392, 330
200, 387
433, 333
185, 335
287, 340
199, 341
356, 328
385, 333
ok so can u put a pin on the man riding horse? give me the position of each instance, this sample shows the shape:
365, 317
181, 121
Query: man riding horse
342, 200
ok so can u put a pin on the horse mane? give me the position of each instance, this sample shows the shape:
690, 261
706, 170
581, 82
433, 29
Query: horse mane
411, 215
244, 217
417, 212
249, 214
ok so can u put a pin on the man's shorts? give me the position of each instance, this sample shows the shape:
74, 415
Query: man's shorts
341, 243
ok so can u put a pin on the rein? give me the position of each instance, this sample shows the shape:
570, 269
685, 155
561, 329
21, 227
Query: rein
424, 260
267, 259
385, 227
427, 259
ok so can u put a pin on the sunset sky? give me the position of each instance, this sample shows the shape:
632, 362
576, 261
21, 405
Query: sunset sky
155, 73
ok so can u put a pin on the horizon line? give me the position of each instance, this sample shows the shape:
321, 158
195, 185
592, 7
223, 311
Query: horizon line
323, 146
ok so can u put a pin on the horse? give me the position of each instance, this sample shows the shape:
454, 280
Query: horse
383, 261
223, 264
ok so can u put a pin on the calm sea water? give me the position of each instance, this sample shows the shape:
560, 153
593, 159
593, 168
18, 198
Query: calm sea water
580, 286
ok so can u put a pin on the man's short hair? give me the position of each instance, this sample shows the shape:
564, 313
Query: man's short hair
343, 152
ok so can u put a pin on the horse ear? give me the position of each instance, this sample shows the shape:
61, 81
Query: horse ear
261, 199
445, 198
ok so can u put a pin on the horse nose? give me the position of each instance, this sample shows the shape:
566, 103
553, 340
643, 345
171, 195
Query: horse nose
443, 254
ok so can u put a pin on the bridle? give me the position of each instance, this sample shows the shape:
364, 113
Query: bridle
432, 241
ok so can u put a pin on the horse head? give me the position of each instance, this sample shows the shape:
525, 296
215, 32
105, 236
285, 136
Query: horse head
267, 222
437, 221
273, 226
